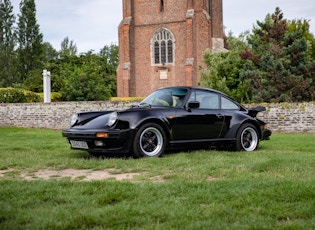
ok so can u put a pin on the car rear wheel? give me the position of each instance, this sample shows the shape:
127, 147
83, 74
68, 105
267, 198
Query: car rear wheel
247, 138
150, 141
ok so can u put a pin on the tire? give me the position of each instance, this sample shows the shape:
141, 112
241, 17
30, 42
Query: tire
150, 141
247, 138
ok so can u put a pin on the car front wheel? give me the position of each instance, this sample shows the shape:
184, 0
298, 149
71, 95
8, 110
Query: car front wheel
150, 141
247, 138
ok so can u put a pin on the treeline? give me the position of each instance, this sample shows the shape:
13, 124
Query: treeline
24, 55
273, 63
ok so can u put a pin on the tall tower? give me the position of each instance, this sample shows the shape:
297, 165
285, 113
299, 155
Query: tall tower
161, 43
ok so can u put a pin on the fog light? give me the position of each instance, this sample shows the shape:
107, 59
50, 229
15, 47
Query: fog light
99, 143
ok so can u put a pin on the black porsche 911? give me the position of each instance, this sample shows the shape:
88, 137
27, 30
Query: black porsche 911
169, 118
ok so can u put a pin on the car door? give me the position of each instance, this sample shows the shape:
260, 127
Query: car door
201, 123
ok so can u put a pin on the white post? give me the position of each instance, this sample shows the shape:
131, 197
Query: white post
47, 89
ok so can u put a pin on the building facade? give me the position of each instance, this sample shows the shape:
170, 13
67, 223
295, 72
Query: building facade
161, 43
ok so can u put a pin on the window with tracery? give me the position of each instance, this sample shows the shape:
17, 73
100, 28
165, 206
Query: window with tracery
163, 47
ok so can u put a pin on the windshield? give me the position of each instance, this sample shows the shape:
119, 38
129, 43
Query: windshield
169, 97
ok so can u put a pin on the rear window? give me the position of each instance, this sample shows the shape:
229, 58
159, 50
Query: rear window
228, 104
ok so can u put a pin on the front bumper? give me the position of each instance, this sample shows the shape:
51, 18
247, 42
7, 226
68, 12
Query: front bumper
118, 141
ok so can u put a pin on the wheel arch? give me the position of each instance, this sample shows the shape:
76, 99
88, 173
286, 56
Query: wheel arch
160, 122
254, 124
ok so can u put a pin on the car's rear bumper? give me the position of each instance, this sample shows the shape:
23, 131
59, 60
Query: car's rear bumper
117, 141
266, 133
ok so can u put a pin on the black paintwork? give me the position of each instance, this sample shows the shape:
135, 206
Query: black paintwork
183, 124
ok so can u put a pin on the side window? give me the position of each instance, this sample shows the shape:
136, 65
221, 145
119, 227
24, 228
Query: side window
207, 100
228, 104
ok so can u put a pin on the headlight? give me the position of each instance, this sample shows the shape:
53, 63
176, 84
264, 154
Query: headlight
73, 119
112, 118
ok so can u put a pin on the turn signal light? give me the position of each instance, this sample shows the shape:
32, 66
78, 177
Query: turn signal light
102, 135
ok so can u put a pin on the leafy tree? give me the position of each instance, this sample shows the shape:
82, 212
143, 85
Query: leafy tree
30, 49
34, 81
87, 80
24, 55
223, 71
68, 48
279, 67
304, 26
110, 53
49, 52
7, 44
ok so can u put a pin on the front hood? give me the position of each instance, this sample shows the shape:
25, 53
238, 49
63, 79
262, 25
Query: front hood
95, 120
128, 118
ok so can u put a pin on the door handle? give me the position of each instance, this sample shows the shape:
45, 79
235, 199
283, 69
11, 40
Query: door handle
219, 115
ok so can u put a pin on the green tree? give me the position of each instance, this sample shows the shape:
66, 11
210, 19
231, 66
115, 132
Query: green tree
7, 44
304, 26
30, 49
86, 78
110, 53
34, 81
279, 67
223, 71
50, 53
68, 48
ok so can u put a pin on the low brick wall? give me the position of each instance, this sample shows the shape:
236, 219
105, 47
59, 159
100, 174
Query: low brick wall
282, 117
290, 117
50, 115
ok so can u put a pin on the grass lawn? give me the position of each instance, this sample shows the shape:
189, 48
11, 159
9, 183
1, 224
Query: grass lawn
272, 188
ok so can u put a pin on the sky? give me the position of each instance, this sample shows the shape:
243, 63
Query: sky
92, 24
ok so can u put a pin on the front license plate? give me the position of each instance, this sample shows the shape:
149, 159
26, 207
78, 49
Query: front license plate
79, 144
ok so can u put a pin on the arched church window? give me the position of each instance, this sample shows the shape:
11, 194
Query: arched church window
163, 47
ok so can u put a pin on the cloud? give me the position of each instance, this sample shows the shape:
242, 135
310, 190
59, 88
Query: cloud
90, 24
242, 15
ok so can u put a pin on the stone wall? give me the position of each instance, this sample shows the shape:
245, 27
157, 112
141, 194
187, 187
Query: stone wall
50, 115
282, 117
290, 117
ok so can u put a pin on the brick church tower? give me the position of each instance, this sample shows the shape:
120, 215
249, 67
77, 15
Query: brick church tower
161, 43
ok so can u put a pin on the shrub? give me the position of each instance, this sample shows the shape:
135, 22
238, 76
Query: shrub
11, 95
127, 99
54, 96
32, 97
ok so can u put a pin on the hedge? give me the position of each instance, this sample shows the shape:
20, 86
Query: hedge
11, 95
127, 99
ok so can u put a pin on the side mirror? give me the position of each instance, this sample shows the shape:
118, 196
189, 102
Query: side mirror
193, 104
